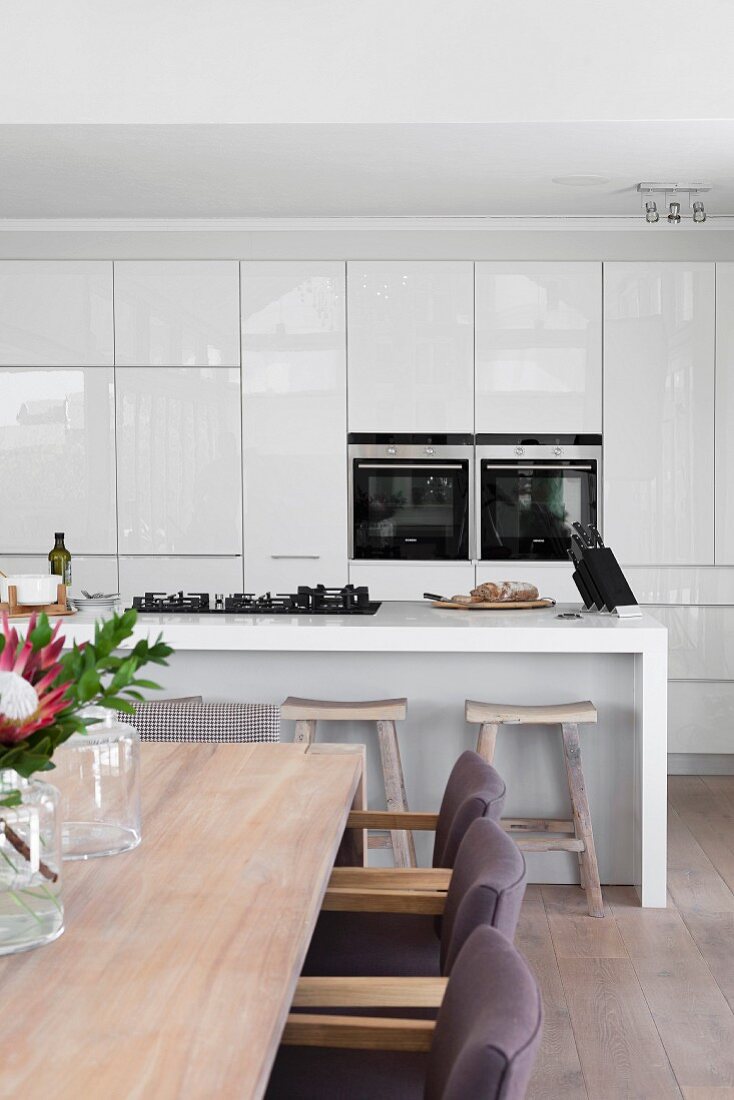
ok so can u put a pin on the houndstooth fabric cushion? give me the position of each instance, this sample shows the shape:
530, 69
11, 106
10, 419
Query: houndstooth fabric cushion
213, 722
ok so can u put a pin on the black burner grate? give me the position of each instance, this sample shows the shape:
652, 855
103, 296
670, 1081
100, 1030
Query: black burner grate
349, 600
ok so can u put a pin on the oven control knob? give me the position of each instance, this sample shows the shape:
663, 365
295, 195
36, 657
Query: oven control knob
391, 450
430, 450
519, 450
558, 450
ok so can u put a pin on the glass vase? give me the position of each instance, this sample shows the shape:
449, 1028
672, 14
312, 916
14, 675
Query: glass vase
31, 908
98, 775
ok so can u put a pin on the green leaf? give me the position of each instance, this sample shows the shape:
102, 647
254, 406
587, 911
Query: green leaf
40, 636
89, 684
12, 798
117, 704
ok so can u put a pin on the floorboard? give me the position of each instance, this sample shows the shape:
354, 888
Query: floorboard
558, 1070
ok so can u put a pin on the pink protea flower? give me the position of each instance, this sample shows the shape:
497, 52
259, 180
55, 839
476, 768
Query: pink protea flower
28, 699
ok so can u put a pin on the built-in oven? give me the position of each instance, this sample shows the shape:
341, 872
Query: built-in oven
411, 497
531, 490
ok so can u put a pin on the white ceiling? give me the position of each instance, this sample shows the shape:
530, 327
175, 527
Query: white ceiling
199, 171
349, 61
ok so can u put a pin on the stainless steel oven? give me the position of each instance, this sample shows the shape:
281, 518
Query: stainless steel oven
411, 497
531, 490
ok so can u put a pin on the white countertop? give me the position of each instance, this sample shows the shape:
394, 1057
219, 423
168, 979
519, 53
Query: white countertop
399, 627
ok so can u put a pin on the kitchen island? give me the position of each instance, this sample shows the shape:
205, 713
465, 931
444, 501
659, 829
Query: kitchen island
437, 659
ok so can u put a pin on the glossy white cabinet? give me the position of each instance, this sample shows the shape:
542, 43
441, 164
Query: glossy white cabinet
724, 414
294, 424
179, 460
171, 313
56, 313
659, 412
681, 584
553, 580
409, 580
160, 573
700, 641
538, 347
57, 459
701, 717
411, 356
95, 574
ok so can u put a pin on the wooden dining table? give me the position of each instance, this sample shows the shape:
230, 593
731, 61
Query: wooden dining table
176, 971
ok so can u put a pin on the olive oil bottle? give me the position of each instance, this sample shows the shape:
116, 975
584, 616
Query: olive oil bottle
59, 559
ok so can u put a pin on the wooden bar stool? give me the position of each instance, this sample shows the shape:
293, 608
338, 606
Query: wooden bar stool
306, 713
568, 716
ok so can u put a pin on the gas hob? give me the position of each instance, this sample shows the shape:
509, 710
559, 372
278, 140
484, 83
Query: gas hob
349, 600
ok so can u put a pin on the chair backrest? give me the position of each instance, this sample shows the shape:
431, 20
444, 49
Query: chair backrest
474, 789
487, 887
489, 1025
211, 722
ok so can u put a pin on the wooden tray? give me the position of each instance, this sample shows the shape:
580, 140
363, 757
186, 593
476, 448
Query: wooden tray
508, 605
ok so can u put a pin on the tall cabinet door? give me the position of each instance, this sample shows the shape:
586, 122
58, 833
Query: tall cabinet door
538, 347
294, 424
411, 359
724, 492
659, 346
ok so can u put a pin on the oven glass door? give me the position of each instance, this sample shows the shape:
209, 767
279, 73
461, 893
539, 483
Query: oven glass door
527, 509
411, 509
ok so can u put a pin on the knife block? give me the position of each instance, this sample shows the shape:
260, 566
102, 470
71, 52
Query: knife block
15, 610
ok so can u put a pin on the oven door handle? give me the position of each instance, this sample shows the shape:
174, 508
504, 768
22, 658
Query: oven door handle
407, 466
570, 465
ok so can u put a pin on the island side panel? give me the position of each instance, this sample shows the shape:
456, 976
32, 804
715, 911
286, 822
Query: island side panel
651, 778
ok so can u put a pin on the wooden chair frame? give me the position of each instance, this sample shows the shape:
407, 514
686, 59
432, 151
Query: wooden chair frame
358, 1032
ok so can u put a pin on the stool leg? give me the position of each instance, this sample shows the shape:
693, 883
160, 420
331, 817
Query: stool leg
392, 771
305, 731
582, 818
486, 740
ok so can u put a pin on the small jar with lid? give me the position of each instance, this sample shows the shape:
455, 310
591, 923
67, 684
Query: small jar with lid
98, 775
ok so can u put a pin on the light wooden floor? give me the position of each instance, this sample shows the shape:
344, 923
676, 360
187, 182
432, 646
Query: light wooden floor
640, 1003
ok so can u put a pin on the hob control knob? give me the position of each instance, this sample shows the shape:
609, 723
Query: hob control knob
519, 450
392, 450
558, 450
430, 450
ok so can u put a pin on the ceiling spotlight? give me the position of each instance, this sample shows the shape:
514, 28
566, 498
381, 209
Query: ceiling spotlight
699, 214
674, 213
651, 211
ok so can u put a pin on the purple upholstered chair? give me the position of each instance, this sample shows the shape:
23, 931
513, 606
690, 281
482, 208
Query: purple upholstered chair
474, 789
482, 1046
487, 887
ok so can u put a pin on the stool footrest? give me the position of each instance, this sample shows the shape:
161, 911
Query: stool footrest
536, 825
550, 844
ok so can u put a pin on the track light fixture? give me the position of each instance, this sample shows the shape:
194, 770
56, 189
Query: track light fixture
680, 199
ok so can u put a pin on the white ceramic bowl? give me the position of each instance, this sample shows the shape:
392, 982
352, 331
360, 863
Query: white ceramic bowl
33, 588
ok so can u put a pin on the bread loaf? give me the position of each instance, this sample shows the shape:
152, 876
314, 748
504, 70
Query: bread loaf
461, 599
504, 592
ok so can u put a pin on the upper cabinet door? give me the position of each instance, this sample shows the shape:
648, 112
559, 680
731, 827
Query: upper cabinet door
411, 361
724, 492
56, 313
179, 462
659, 326
175, 313
538, 344
57, 460
294, 424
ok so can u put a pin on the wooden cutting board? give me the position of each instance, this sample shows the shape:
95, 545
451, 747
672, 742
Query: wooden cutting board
508, 605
